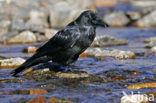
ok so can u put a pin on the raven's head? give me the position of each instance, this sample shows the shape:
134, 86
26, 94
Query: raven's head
90, 18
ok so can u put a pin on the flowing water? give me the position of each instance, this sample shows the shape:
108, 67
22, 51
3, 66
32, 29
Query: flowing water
110, 76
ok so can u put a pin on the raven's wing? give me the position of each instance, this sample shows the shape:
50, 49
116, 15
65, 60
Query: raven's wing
65, 38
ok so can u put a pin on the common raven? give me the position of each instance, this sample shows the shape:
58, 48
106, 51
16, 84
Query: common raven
67, 44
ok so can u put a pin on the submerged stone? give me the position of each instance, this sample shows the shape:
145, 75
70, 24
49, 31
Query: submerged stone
57, 100
38, 99
13, 80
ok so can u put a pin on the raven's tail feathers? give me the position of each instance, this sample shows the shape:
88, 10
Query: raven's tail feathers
34, 60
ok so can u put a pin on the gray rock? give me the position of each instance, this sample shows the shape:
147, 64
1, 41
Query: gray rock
40, 38
22, 38
134, 15
72, 75
59, 17
50, 33
153, 49
37, 21
150, 39
18, 24
85, 4
118, 54
11, 63
4, 38
150, 44
4, 26
148, 21
136, 98
144, 3
116, 19
106, 40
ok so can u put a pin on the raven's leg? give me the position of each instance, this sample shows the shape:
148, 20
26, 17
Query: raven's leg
52, 66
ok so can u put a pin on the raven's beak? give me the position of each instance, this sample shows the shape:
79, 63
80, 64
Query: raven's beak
99, 22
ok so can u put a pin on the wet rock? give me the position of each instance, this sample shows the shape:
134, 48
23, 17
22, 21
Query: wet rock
11, 63
57, 100
150, 44
59, 17
26, 92
4, 26
115, 53
39, 75
38, 99
50, 33
30, 49
105, 40
37, 91
23, 38
13, 80
47, 74
105, 3
142, 85
148, 21
72, 75
116, 19
136, 98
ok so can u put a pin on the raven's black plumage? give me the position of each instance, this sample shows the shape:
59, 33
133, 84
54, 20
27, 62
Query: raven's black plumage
68, 43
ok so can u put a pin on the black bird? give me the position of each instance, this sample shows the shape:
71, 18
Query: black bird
67, 44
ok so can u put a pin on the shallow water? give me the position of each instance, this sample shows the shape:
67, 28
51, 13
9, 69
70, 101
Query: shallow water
104, 90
